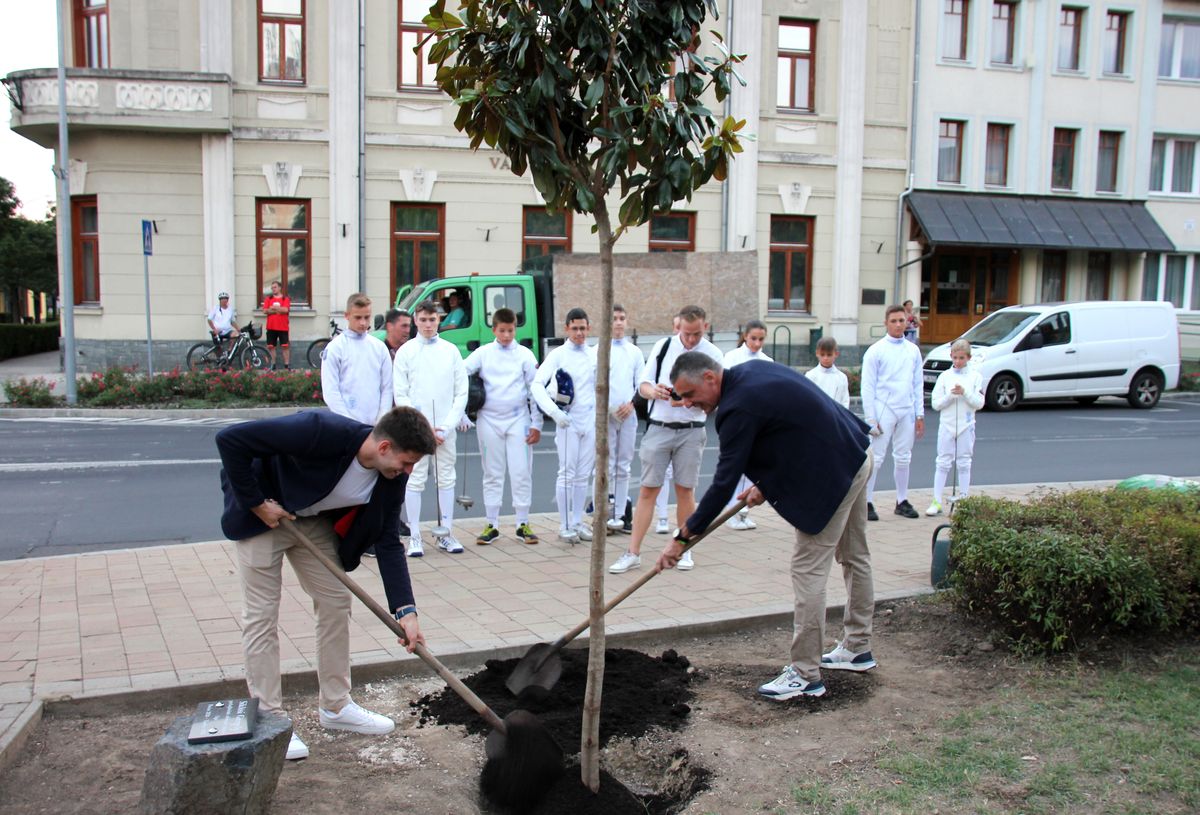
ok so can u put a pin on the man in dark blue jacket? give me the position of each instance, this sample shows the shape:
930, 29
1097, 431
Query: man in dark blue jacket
342, 483
807, 457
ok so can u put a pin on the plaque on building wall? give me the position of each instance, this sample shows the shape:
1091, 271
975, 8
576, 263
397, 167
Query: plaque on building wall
874, 297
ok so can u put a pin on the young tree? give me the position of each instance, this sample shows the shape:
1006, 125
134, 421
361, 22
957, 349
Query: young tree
578, 92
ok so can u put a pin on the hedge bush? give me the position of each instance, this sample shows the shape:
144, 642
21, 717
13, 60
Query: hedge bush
125, 387
18, 340
1055, 572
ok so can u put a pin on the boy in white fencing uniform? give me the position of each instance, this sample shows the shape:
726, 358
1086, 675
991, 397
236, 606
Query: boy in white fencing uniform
825, 374
575, 437
893, 403
957, 394
508, 424
429, 375
754, 335
356, 368
624, 369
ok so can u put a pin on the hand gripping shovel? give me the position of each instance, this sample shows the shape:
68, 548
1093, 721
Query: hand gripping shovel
522, 755
541, 665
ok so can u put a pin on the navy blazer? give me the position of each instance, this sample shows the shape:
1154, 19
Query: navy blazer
801, 448
298, 460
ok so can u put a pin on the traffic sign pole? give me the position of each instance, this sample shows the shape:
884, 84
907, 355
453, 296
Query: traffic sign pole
147, 251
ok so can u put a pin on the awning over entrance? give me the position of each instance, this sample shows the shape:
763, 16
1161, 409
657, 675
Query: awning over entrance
1036, 222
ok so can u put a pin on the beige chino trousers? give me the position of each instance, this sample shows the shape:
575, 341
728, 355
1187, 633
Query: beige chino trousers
260, 567
844, 537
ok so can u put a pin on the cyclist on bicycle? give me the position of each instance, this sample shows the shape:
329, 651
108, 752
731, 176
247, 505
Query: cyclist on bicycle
220, 320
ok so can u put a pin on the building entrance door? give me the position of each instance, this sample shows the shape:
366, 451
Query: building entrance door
959, 287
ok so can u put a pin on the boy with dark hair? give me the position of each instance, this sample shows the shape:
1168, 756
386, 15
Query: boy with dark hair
825, 374
277, 307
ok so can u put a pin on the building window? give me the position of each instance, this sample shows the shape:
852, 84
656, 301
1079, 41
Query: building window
673, 232
1062, 163
1004, 32
955, 23
1108, 161
545, 232
1070, 35
91, 33
85, 239
284, 238
996, 169
950, 144
1180, 54
413, 68
797, 65
417, 244
281, 41
1172, 278
1098, 273
1173, 165
1054, 276
790, 285
1115, 32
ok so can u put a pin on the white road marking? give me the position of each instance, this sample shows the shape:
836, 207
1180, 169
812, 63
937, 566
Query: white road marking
59, 466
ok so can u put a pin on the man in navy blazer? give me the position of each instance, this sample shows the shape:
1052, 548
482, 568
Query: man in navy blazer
341, 482
807, 457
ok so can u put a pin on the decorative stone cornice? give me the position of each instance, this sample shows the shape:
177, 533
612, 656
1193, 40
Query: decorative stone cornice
162, 96
81, 93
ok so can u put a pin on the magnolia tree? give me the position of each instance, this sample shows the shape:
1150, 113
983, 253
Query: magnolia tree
592, 97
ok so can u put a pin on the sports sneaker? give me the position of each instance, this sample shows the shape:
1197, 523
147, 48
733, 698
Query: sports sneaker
789, 684
489, 534
839, 659
296, 749
370, 551
685, 563
741, 522
906, 510
662, 527
627, 561
450, 544
872, 515
356, 720
568, 535
934, 509
584, 532
415, 548
526, 534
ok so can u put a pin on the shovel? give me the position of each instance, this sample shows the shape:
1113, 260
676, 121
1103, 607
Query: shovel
541, 665
517, 746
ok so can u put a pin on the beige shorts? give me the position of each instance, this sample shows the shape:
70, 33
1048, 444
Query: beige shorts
682, 448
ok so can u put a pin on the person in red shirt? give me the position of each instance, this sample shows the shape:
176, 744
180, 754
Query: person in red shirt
277, 308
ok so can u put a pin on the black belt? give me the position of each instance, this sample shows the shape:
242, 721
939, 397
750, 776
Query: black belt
675, 425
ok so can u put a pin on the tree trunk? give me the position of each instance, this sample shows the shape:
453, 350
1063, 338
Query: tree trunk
589, 748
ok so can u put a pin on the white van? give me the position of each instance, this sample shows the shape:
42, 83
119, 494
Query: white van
1072, 350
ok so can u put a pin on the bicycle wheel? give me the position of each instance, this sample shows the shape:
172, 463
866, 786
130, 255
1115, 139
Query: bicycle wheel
314, 353
255, 357
203, 357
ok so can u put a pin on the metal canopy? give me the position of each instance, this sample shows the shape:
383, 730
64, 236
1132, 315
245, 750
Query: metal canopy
1037, 222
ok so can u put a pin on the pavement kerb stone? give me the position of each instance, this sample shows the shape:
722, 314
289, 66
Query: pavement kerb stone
13, 738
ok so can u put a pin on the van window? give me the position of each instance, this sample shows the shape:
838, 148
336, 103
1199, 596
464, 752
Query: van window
1056, 329
455, 306
498, 297
999, 327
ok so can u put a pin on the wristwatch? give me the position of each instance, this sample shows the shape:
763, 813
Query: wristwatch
404, 611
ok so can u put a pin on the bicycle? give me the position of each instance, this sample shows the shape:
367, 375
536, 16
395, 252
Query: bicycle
317, 348
239, 352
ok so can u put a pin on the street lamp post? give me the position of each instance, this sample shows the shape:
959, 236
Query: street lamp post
66, 264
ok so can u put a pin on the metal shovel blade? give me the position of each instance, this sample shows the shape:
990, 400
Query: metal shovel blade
541, 667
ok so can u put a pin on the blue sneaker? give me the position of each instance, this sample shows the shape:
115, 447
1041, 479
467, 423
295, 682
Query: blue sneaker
789, 684
839, 659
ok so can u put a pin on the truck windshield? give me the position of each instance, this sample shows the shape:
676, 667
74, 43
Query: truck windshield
414, 296
1000, 327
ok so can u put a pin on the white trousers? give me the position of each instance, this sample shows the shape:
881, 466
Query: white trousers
899, 430
502, 447
621, 435
665, 494
951, 452
576, 447
443, 460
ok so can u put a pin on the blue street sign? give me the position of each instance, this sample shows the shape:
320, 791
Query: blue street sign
147, 238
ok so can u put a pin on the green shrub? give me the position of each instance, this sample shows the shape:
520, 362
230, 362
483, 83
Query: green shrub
18, 340
35, 392
1052, 573
118, 387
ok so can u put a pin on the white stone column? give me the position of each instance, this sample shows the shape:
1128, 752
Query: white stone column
344, 95
741, 230
851, 115
216, 158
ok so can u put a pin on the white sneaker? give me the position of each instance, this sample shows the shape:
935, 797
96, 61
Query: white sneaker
843, 660
625, 562
449, 543
584, 532
741, 522
789, 684
356, 720
662, 527
934, 509
415, 547
296, 749
685, 563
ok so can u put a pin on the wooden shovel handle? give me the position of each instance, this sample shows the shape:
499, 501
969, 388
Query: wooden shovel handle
456, 684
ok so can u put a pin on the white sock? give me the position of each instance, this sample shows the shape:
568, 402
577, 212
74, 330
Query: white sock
901, 483
579, 500
493, 515
939, 483
964, 481
412, 506
522, 514
446, 497
560, 497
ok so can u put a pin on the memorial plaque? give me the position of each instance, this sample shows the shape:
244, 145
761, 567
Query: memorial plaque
226, 720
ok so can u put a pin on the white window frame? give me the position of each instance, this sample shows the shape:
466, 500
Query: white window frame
1169, 166
1177, 51
1191, 285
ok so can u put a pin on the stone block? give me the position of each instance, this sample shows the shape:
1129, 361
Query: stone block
215, 779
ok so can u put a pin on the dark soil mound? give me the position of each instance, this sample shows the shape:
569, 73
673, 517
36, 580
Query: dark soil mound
640, 692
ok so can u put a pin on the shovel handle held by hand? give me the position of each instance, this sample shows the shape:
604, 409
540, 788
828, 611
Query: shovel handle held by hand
456, 684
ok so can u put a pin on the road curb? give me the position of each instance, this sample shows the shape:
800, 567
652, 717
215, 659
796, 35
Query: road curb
13, 739
153, 413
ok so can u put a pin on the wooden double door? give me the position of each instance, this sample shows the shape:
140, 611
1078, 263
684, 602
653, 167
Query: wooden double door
959, 287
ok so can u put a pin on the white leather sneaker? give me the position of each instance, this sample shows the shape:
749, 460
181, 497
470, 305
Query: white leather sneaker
356, 720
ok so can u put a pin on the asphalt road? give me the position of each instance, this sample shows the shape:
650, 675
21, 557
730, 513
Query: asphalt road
73, 485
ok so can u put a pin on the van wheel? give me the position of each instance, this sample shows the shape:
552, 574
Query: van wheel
1145, 390
1086, 400
1003, 393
